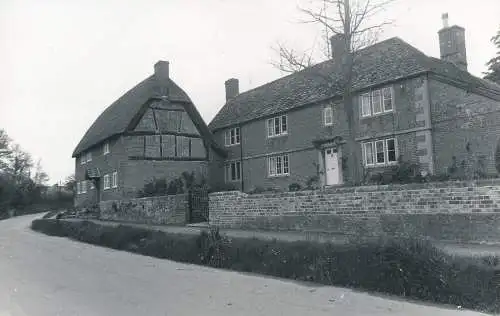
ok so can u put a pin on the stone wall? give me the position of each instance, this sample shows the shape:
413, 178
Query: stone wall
464, 211
160, 210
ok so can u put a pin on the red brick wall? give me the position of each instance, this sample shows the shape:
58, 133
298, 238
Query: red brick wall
449, 210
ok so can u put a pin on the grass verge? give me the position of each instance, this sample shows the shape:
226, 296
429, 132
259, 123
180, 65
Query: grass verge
404, 267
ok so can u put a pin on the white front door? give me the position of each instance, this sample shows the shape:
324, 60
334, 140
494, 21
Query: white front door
332, 167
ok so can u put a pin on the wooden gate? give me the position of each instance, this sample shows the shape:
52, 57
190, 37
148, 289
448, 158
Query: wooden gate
198, 205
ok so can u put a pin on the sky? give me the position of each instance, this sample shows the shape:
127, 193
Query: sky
62, 62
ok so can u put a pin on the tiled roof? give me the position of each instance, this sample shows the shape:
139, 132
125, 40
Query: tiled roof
116, 117
388, 60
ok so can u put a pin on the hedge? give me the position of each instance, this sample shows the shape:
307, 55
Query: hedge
403, 267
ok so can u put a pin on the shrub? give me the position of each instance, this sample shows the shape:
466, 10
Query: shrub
294, 187
259, 190
405, 267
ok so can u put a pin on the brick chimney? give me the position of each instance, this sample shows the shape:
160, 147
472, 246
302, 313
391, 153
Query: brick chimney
337, 43
232, 88
452, 43
162, 70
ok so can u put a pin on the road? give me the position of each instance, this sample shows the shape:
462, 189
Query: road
42, 275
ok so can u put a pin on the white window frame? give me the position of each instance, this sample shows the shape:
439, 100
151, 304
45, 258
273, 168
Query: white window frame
377, 96
395, 151
232, 136
366, 156
271, 126
84, 186
368, 110
281, 162
385, 145
105, 148
78, 188
114, 180
89, 156
376, 152
391, 90
106, 182
228, 171
328, 116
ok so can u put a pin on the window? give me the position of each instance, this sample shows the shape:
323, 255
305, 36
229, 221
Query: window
328, 116
89, 156
387, 99
279, 166
114, 180
78, 188
106, 182
83, 159
377, 102
232, 136
380, 152
368, 151
105, 148
277, 126
365, 105
391, 150
84, 186
233, 171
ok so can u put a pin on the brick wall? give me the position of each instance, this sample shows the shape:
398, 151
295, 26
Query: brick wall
170, 209
449, 211
461, 120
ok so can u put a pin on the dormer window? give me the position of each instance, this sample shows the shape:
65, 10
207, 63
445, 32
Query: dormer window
105, 148
377, 102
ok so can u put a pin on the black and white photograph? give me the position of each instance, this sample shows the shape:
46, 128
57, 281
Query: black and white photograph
237, 157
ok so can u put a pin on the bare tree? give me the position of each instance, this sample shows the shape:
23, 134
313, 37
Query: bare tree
41, 177
5, 150
349, 21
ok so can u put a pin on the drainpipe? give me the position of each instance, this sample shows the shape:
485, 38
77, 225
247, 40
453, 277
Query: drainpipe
241, 160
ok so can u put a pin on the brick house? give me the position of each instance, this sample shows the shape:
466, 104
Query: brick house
153, 130
407, 105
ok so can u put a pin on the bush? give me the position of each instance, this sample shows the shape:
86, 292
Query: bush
294, 187
404, 267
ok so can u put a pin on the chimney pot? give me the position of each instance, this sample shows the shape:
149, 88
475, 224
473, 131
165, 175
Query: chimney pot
444, 17
232, 88
162, 70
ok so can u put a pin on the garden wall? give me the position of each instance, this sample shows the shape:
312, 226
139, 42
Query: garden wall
467, 211
160, 210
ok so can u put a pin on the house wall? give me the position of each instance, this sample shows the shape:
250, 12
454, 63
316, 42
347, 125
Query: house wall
460, 118
306, 124
459, 211
107, 164
159, 210
132, 174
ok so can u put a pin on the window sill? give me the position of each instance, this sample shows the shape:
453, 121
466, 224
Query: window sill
328, 125
277, 136
381, 165
377, 115
233, 145
279, 176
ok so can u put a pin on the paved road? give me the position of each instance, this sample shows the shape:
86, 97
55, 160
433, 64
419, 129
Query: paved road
41, 275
